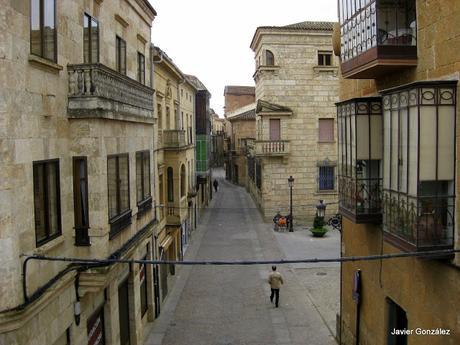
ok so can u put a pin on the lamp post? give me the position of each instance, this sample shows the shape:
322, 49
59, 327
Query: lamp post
321, 209
290, 183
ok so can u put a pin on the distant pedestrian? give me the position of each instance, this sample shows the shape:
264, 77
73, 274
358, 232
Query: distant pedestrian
215, 184
275, 279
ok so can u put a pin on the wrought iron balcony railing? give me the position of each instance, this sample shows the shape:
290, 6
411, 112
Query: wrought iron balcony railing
272, 147
95, 90
418, 223
174, 138
360, 199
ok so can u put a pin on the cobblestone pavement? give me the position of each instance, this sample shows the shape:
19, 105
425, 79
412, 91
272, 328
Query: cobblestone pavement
221, 305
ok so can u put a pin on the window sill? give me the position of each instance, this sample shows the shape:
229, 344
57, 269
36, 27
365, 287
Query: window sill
326, 142
326, 192
325, 68
118, 223
34, 59
52, 244
144, 206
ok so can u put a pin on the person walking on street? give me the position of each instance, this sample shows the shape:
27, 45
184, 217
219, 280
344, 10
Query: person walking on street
275, 279
215, 184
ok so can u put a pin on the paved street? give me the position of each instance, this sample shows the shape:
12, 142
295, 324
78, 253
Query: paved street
230, 305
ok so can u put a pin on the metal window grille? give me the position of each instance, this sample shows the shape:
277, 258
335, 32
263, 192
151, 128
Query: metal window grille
326, 178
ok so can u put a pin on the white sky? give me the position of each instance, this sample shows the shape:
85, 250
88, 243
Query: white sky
210, 38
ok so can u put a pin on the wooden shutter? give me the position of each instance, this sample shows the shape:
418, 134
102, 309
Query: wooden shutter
275, 129
326, 130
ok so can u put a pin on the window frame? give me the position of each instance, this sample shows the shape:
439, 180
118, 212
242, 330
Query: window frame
90, 35
145, 203
141, 68
326, 181
269, 58
120, 44
81, 229
49, 237
123, 217
41, 21
322, 58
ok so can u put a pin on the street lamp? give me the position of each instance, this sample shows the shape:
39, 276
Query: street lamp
321, 209
290, 183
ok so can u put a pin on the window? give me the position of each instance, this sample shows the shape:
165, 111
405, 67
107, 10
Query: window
269, 58
143, 189
182, 181
397, 319
118, 192
275, 129
168, 118
160, 116
170, 185
162, 197
90, 40
326, 130
325, 58
143, 286
120, 57
140, 68
47, 204
80, 201
326, 178
43, 39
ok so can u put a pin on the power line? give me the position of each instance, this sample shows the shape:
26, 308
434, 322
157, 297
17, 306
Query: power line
425, 254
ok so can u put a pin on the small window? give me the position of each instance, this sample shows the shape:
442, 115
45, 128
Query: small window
143, 176
43, 40
47, 203
90, 40
325, 58
120, 57
118, 185
326, 180
160, 116
80, 201
140, 68
326, 130
269, 58
397, 320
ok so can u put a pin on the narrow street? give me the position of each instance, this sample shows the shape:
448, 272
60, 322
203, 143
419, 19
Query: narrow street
230, 305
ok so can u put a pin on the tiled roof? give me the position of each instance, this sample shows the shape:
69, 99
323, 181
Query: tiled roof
247, 115
315, 26
239, 90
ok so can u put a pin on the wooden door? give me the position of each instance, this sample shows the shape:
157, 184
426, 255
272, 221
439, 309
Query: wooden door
275, 129
123, 310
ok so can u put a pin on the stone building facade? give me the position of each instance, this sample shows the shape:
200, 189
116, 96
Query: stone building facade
243, 132
296, 88
175, 163
217, 139
77, 143
402, 196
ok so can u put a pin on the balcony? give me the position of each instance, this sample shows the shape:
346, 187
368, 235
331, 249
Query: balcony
272, 148
360, 199
377, 38
418, 223
202, 166
96, 91
174, 139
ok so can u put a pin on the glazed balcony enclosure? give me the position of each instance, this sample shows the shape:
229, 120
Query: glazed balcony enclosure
377, 37
97, 91
419, 165
360, 140
174, 139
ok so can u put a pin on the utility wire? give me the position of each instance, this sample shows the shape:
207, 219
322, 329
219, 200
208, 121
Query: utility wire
426, 254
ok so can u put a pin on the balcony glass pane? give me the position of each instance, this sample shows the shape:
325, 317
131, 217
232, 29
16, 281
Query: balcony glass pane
427, 144
394, 150
386, 143
397, 22
376, 136
413, 150
446, 143
403, 137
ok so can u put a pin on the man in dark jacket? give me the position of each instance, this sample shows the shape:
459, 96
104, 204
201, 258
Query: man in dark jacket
215, 184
